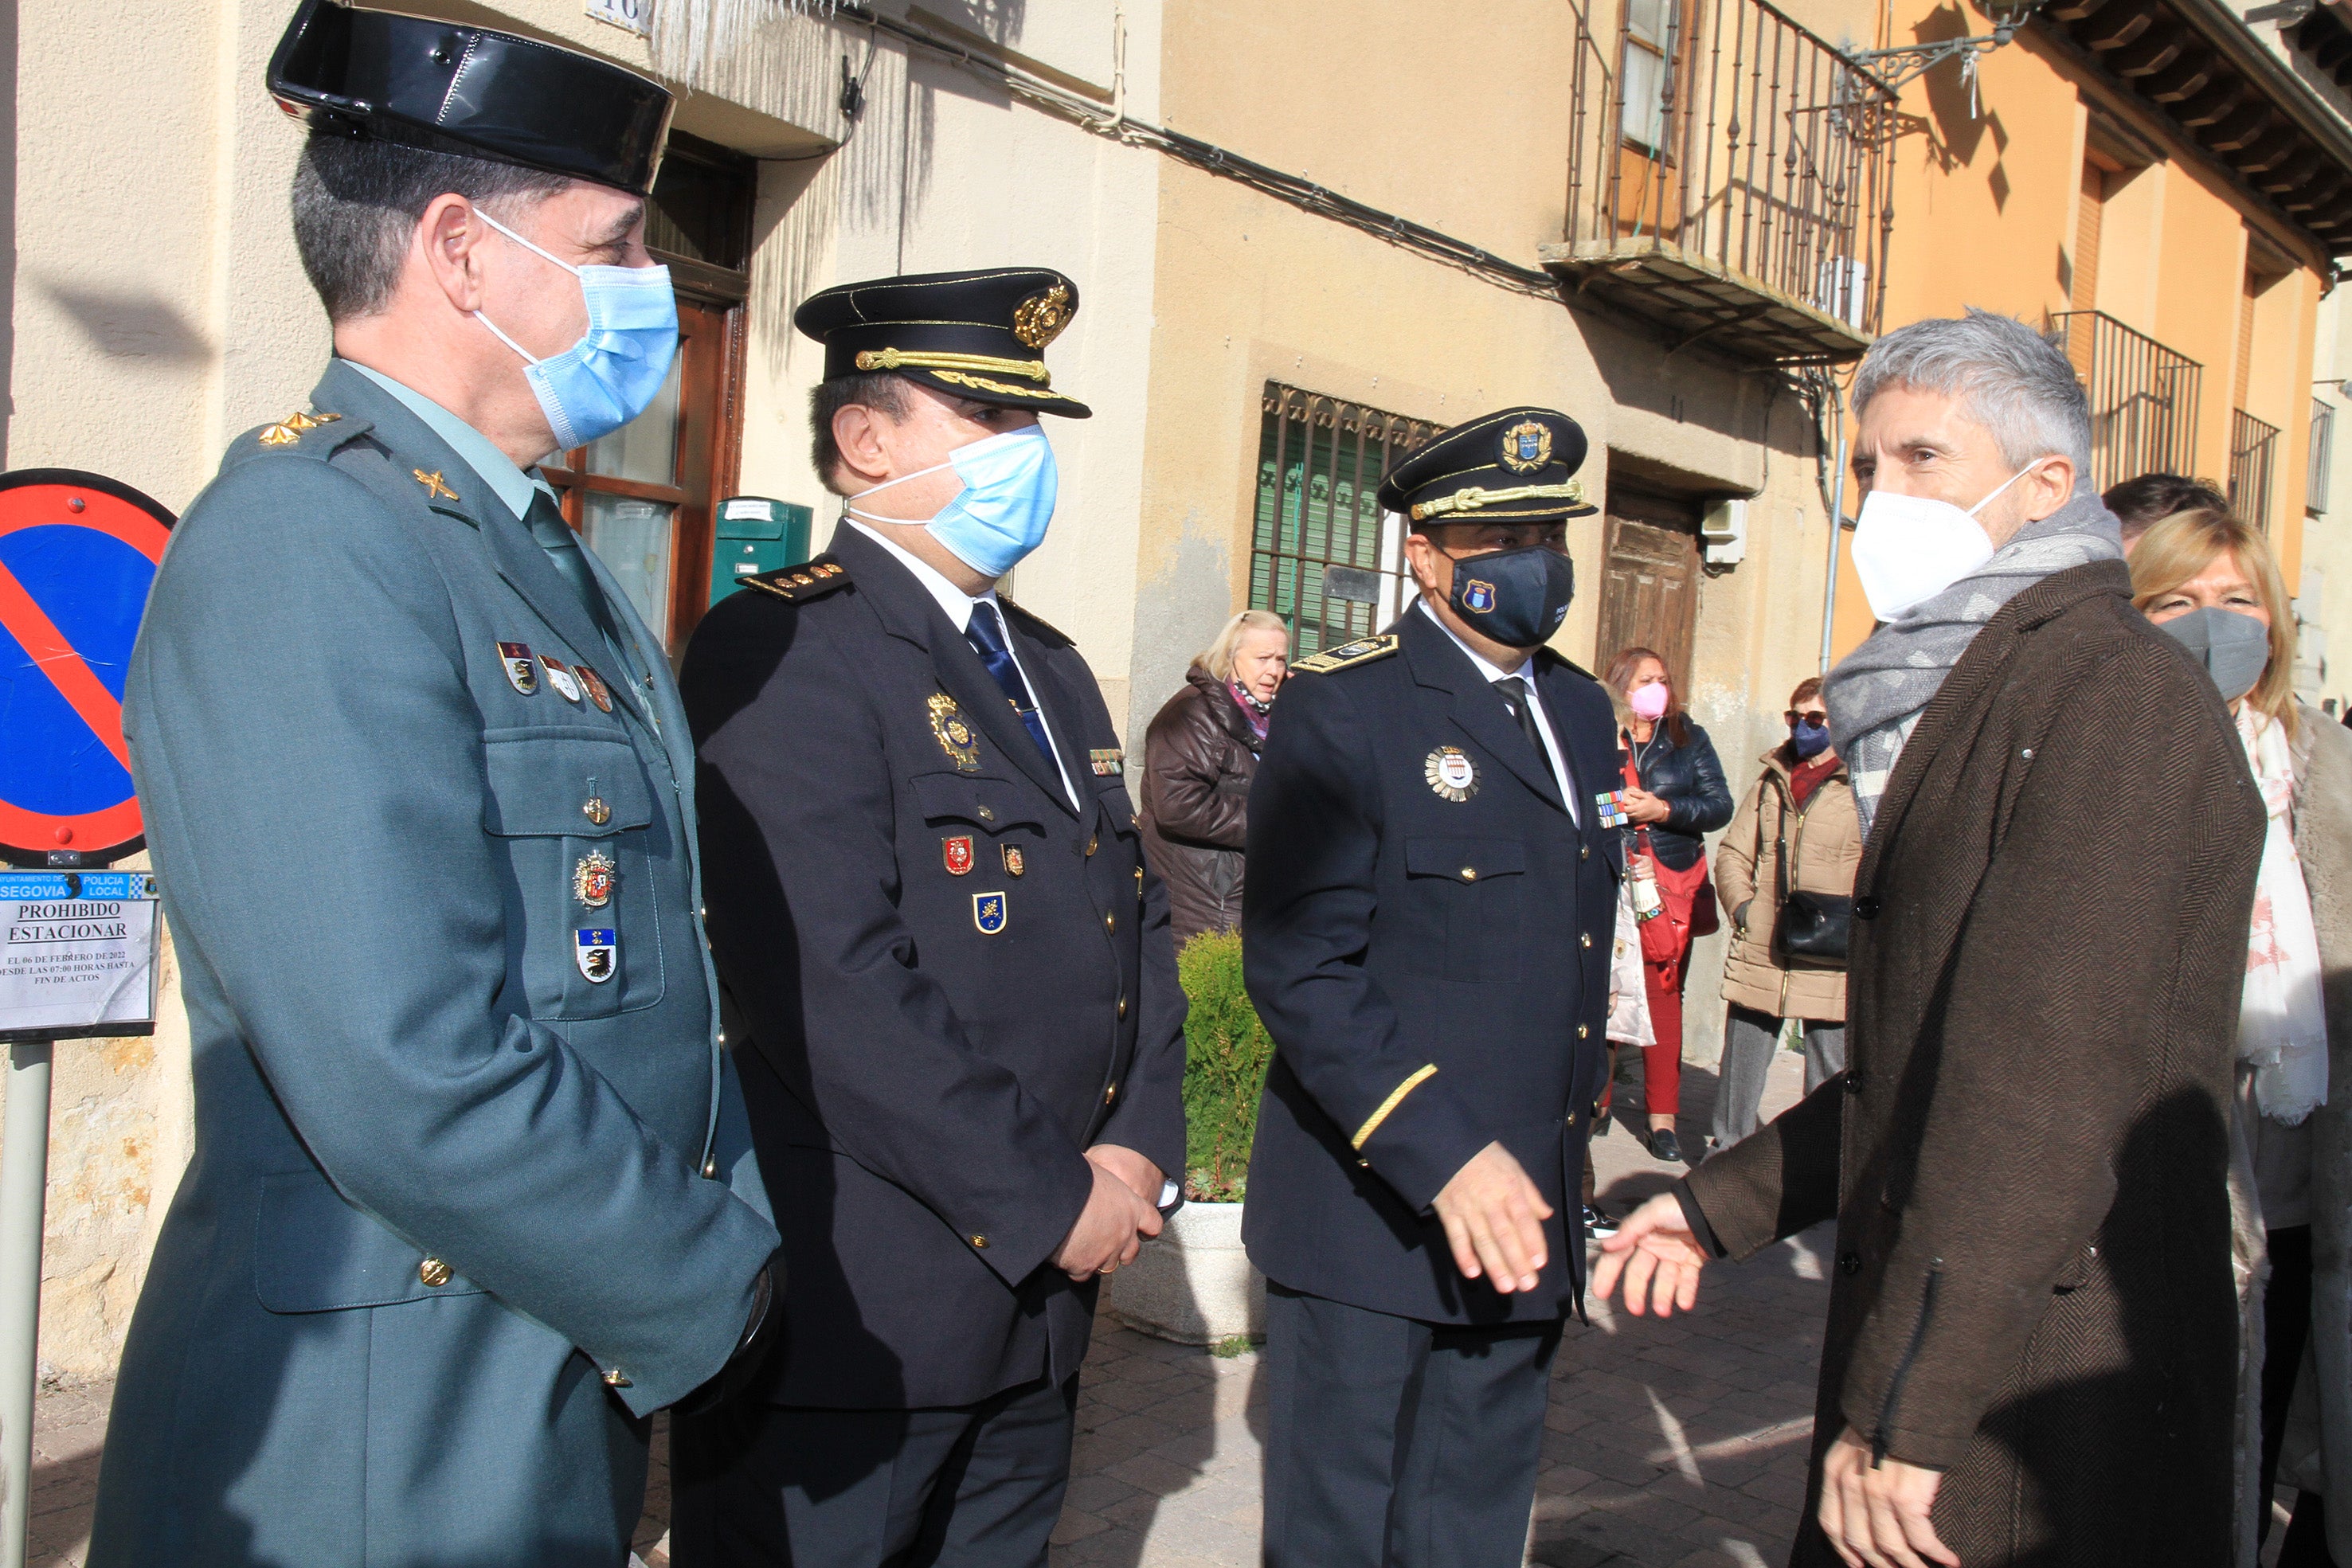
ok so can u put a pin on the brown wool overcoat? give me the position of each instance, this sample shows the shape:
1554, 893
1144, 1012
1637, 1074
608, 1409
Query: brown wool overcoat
2027, 1156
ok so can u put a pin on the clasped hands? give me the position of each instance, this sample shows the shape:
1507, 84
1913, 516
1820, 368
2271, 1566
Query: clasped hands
1121, 1215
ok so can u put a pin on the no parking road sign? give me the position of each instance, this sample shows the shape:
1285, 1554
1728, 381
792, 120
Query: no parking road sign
78, 555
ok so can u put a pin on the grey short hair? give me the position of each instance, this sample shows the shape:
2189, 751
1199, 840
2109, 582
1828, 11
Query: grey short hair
2009, 378
1218, 660
357, 203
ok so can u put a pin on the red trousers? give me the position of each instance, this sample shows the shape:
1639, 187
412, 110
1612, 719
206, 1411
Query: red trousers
1661, 1064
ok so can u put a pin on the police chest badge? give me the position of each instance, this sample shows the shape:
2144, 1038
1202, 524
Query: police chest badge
988, 912
560, 677
1477, 597
957, 853
523, 670
1013, 864
953, 733
1451, 773
598, 954
592, 880
1527, 447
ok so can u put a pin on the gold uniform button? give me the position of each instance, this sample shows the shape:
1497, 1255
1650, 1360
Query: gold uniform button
986, 815
1584, 1032
595, 810
1584, 851
1572, 1118
1111, 1093
709, 1170
1469, 873
1122, 1007
1110, 922
1584, 939
980, 1241
1090, 843
433, 1273
616, 1378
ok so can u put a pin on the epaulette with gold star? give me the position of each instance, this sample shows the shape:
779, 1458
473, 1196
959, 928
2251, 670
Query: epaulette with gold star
1347, 656
289, 431
798, 584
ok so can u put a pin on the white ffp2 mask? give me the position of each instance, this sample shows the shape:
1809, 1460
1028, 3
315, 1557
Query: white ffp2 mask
1909, 549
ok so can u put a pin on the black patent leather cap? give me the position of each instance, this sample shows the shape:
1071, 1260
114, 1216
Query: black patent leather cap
471, 91
1516, 465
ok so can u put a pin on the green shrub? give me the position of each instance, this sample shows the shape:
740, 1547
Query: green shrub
1226, 1050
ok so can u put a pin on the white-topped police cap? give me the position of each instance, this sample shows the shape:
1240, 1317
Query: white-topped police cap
1517, 466
979, 335
472, 91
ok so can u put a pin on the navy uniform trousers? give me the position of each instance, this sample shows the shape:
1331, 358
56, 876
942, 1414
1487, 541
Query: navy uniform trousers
1426, 931
952, 974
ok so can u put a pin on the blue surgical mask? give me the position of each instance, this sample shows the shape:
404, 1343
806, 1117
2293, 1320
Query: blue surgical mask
614, 373
1009, 486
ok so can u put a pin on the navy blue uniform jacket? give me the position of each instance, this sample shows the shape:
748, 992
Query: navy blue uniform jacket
1435, 971
925, 1087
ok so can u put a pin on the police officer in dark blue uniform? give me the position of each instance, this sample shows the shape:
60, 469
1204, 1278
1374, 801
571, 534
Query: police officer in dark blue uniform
955, 998
1427, 926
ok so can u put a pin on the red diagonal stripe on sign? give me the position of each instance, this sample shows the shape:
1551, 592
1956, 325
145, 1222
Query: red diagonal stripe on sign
56, 658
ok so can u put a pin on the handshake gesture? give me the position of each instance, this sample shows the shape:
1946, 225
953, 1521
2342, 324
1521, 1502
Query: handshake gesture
1121, 1214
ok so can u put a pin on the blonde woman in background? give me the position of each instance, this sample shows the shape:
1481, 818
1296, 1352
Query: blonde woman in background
1199, 756
2209, 580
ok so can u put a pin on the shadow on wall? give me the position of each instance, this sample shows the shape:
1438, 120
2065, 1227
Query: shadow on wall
1730, 400
1178, 614
127, 324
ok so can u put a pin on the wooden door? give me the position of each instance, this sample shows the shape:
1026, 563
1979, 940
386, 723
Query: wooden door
1649, 586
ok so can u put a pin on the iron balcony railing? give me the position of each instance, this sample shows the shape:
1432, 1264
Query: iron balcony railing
2323, 443
2253, 451
2143, 397
1728, 131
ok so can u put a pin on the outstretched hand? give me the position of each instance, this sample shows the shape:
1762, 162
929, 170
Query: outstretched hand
1875, 1511
1658, 1255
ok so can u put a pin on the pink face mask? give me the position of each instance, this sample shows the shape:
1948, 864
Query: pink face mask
1650, 701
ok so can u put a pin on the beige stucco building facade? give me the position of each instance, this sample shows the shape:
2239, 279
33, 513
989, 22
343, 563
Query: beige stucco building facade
1302, 239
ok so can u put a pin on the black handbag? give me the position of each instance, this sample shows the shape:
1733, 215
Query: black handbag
1814, 927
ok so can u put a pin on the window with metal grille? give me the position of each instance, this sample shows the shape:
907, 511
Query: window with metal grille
1323, 556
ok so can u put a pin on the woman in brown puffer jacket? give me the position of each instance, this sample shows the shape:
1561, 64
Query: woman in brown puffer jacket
1199, 756
1805, 800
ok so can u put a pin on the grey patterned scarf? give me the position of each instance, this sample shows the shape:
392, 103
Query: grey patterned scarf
1877, 691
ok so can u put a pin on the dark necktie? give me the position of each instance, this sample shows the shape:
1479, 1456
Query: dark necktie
986, 635
563, 552
1515, 697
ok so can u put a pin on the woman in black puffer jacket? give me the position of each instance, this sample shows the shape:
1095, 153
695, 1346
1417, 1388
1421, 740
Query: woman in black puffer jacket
1681, 797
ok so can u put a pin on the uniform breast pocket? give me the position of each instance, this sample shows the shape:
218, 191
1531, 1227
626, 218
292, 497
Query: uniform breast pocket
1473, 892
574, 812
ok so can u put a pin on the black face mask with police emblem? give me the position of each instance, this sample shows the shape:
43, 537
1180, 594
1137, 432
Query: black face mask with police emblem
1518, 597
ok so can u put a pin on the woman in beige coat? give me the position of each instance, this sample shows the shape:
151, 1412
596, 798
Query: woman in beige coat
1801, 809
2202, 574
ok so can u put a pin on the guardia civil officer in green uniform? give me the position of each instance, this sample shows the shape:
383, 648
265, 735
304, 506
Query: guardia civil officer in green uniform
962, 1037
1426, 931
471, 1194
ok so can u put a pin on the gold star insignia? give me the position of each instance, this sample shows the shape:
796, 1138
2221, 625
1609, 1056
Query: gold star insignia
433, 489
289, 431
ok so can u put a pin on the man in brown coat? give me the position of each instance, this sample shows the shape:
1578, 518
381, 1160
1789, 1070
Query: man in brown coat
2031, 1353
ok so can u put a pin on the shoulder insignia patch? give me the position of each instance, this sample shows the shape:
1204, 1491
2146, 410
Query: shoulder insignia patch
291, 429
1038, 627
1362, 651
795, 584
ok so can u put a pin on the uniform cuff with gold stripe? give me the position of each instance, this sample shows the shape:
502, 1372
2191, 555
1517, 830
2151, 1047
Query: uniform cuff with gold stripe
1417, 1136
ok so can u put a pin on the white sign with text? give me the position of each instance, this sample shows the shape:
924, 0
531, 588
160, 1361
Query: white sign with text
78, 952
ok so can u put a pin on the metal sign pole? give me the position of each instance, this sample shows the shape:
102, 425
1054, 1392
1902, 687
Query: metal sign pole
24, 1182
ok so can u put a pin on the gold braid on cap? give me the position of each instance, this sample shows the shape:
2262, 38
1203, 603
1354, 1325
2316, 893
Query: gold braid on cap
921, 359
1473, 498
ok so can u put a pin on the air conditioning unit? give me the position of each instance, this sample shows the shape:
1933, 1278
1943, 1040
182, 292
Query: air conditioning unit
1723, 530
1844, 290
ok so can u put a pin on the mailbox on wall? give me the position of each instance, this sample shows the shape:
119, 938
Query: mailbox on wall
755, 535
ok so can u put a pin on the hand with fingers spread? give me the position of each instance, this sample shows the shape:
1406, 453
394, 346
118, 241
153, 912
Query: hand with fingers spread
1658, 1255
1494, 1219
1875, 1511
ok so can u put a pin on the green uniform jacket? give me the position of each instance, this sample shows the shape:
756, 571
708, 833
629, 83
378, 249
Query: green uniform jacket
449, 1232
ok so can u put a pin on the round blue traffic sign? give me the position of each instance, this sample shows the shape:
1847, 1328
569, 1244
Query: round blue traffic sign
78, 555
